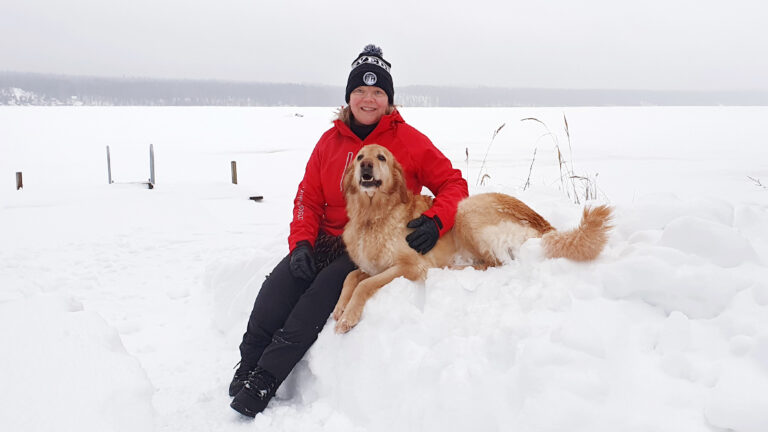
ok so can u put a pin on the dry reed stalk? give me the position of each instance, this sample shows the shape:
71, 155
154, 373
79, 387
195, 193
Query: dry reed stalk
567, 173
757, 182
482, 165
570, 150
466, 160
561, 162
590, 186
530, 170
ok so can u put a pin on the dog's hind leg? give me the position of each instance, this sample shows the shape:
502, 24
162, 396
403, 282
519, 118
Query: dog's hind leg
365, 289
350, 283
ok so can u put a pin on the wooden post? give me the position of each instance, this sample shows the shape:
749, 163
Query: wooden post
151, 166
109, 167
234, 172
19, 182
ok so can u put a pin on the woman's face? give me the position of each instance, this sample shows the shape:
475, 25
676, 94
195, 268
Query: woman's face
368, 104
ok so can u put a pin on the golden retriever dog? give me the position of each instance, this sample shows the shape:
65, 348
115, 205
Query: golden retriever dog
488, 231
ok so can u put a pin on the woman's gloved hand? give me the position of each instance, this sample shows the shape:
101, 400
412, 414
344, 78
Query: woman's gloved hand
303, 261
425, 234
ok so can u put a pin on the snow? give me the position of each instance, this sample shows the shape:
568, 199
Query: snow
53, 346
121, 308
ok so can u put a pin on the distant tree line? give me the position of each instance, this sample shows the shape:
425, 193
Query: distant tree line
42, 89
76, 90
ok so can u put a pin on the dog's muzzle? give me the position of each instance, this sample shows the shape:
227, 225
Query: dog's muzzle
367, 179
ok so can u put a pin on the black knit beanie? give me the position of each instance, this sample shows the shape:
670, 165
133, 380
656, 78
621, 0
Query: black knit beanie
370, 69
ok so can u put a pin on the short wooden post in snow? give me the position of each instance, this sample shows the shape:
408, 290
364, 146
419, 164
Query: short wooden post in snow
234, 172
151, 166
109, 167
19, 182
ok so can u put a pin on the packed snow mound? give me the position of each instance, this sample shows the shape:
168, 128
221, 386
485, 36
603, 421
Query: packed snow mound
666, 280
654, 328
739, 398
720, 244
65, 369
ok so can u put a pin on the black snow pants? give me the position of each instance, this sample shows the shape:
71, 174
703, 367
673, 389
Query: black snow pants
289, 313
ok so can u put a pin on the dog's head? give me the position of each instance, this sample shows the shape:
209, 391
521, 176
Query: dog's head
374, 170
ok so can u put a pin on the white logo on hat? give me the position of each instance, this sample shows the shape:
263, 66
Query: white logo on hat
370, 78
363, 59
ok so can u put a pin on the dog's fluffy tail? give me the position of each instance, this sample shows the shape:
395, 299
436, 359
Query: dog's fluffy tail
583, 243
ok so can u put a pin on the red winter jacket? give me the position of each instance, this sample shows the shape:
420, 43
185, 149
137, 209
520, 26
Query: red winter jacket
319, 202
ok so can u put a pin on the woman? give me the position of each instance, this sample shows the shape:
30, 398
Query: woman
298, 296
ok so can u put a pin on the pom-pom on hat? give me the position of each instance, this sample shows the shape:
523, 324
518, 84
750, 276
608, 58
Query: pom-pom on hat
370, 69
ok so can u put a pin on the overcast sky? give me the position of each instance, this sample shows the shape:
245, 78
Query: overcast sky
650, 44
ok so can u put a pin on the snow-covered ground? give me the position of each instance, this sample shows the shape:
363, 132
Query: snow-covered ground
121, 308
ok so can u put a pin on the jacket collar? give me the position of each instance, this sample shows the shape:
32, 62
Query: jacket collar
387, 122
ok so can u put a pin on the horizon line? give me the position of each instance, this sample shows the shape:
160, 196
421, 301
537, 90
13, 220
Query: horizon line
309, 84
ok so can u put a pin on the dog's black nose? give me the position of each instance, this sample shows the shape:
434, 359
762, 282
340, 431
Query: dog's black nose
366, 169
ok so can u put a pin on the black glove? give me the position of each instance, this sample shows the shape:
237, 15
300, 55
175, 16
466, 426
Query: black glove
303, 261
425, 233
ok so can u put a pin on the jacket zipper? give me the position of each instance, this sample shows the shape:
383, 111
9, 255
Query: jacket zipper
346, 164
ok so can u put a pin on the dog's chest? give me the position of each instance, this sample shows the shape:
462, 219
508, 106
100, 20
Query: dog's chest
376, 244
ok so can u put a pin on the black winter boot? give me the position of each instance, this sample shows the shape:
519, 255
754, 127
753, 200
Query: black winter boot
256, 393
241, 376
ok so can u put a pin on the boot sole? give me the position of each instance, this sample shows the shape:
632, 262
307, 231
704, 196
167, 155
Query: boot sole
234, 392
242, 410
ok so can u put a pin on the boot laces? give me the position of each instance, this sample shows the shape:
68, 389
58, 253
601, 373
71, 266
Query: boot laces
243, 371
262, 382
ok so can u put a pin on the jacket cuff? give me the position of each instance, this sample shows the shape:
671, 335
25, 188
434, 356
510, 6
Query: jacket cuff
293, 243
441, 227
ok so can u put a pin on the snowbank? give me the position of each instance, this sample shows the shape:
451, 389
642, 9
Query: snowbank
122, 308
64, 368
651, 336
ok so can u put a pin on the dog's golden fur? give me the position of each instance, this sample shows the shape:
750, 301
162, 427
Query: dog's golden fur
488, 231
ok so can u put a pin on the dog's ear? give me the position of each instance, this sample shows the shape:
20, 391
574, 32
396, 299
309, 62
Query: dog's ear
399, 182
348, 183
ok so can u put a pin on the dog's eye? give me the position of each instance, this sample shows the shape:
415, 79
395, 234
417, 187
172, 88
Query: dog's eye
381, 158
360, 157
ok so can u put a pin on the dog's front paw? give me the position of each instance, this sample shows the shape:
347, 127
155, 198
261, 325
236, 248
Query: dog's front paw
342, 326
337, 312
348, 319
